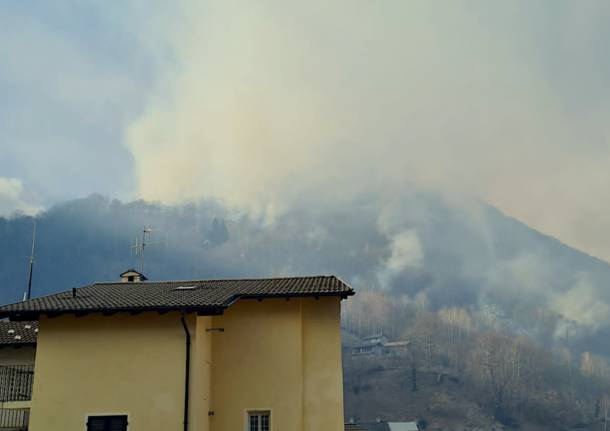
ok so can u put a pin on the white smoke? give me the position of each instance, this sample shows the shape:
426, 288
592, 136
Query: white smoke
13, 198
266, 103
405, 253
582, 304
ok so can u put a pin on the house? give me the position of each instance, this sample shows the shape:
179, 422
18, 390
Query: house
17, 355
371, 345
378, 345
403, 426
396, 348
389, 426
198, 355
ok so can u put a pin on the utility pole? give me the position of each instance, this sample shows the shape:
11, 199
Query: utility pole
28, 293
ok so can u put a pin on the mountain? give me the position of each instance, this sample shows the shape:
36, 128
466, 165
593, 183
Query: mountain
413, 245
463, 282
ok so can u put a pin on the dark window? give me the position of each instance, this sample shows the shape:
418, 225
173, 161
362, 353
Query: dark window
107, 423
131, 278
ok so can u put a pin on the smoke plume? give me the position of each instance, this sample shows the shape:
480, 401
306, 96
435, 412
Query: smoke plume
265, 103
14, 197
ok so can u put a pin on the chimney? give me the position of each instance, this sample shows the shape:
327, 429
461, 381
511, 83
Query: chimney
132, 276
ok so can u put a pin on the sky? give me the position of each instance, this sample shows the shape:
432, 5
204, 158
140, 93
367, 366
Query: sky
270, 104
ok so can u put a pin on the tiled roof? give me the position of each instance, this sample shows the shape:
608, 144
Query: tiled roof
203, 296
18, 333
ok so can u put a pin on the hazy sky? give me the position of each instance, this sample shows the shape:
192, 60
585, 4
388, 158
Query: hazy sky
268, 102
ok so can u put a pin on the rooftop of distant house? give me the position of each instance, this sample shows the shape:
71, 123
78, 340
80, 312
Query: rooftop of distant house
135, 294
382, 426
18, 334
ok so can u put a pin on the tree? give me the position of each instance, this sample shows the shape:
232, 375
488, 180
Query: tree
605, 410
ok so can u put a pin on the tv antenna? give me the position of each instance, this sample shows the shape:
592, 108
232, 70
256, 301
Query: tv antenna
139, 246
28, 293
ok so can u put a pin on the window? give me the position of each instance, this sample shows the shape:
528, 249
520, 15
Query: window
259, 421
107, 423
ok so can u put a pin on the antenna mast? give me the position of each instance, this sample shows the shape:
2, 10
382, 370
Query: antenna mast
28, 293
139, 247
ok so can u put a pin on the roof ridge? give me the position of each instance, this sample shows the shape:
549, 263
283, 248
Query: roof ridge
298, 277
46, 296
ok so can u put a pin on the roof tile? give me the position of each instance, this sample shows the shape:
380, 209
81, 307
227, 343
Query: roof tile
18, 333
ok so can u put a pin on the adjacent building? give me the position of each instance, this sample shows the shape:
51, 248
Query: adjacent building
200, 355
17, 355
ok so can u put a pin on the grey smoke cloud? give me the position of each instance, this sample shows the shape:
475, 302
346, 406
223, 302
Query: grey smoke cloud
267, 103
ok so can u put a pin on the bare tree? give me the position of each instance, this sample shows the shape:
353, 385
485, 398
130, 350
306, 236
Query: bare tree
605, 410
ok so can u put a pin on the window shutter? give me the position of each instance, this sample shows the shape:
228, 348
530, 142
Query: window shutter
96, 424
118, 423
107, 423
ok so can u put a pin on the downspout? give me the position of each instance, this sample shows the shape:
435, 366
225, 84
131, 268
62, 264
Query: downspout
187, 373
303, 365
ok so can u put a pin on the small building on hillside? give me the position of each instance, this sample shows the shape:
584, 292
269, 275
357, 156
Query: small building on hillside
379, 345
370, 345
17, 356
389, 426
396, 348
403, 426
198, 355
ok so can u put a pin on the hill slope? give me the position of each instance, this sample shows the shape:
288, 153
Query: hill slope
415, 246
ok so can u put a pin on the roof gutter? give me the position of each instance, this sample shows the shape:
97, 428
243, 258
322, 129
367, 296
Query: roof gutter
238, 297
187, 373
26, 315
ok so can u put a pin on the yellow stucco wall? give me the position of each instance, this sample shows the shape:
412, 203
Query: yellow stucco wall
257, 364
201, 380
323, 403
278, 355
110, 365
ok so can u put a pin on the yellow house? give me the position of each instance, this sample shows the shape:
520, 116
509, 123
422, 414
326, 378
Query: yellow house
199, 355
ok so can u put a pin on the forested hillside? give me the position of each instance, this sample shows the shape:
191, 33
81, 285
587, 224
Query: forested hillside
415, 247
516, 314
465, 369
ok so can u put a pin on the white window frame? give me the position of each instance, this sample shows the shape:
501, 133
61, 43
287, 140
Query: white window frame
260, 411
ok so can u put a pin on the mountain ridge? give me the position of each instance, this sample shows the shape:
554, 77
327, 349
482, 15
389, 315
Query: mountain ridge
415, 245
